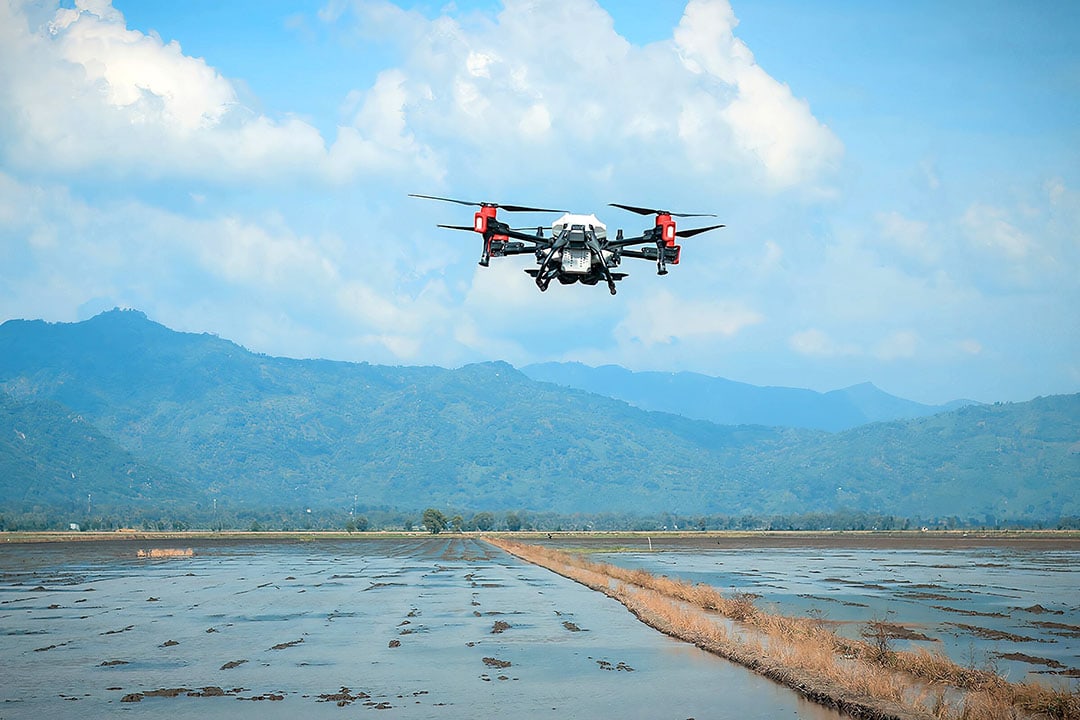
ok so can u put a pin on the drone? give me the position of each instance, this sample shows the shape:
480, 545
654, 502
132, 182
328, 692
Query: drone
578, 248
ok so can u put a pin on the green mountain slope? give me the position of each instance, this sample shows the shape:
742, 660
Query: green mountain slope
983, 462
53, 457
255, 431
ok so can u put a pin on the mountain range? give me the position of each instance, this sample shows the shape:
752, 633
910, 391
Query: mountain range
121, 412
727, 402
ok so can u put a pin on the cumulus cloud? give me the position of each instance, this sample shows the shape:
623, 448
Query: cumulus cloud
538, 85
79, 91
552, 84
766, 123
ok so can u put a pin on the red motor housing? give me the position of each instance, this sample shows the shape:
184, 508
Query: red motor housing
667, 229
480, 220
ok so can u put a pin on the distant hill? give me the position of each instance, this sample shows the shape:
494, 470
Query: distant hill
51, 456
733, 403
252, 431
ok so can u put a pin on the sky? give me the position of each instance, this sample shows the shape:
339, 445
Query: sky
900, 181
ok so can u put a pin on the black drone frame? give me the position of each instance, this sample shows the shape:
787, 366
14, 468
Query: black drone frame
501, 240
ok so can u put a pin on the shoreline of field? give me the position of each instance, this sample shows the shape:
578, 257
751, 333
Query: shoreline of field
607, 541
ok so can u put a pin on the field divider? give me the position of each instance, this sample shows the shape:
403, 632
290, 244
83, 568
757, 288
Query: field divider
866, 680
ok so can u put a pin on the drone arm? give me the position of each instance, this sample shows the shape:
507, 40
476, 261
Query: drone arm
500, 229
502, 249
645, 237
671, 254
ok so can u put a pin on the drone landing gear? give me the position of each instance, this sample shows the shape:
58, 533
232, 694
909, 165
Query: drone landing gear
594, 248
546, 272
485, 254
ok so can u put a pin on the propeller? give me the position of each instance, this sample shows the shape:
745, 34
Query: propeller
651, 211
508, 208
697, 231
470, 228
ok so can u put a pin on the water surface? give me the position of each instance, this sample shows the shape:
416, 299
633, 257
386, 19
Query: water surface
422, 628
1011, 608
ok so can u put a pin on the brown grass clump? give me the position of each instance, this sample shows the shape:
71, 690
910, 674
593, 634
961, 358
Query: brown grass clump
165, 553
864, 678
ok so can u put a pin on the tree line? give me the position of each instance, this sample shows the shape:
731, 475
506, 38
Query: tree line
436, 520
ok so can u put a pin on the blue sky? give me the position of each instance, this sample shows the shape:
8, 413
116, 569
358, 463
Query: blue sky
901, 182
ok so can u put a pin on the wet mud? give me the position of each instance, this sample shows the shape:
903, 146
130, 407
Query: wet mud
424, 628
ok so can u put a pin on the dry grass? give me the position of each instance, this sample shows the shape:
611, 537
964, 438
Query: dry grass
865, 678
165, 553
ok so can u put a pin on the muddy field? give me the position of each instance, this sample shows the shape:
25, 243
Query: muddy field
1009, 604
422, 628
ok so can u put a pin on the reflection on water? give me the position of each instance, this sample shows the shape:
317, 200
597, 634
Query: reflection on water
428, 628
1012, 609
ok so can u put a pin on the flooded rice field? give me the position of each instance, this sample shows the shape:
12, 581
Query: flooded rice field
419, 628
1010, 607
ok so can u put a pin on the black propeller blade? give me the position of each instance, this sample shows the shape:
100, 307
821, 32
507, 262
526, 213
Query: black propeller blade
697, 231
651, 211
457, 227
508, 208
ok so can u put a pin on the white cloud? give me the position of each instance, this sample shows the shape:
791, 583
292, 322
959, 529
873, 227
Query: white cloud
154, 80
763, 119
662, 318
1023, 247
816, 343
82, 92
255, 281
990, 231
774, 255
538, 86
898, 345
536, 122
909, 237
379, 138
970, 346
499, 95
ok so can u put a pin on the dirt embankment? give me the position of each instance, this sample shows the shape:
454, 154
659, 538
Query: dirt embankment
812, 686
820, 666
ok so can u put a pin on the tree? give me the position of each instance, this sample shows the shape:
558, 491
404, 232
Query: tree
434, 521
513, 522
483, 521
457, 523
